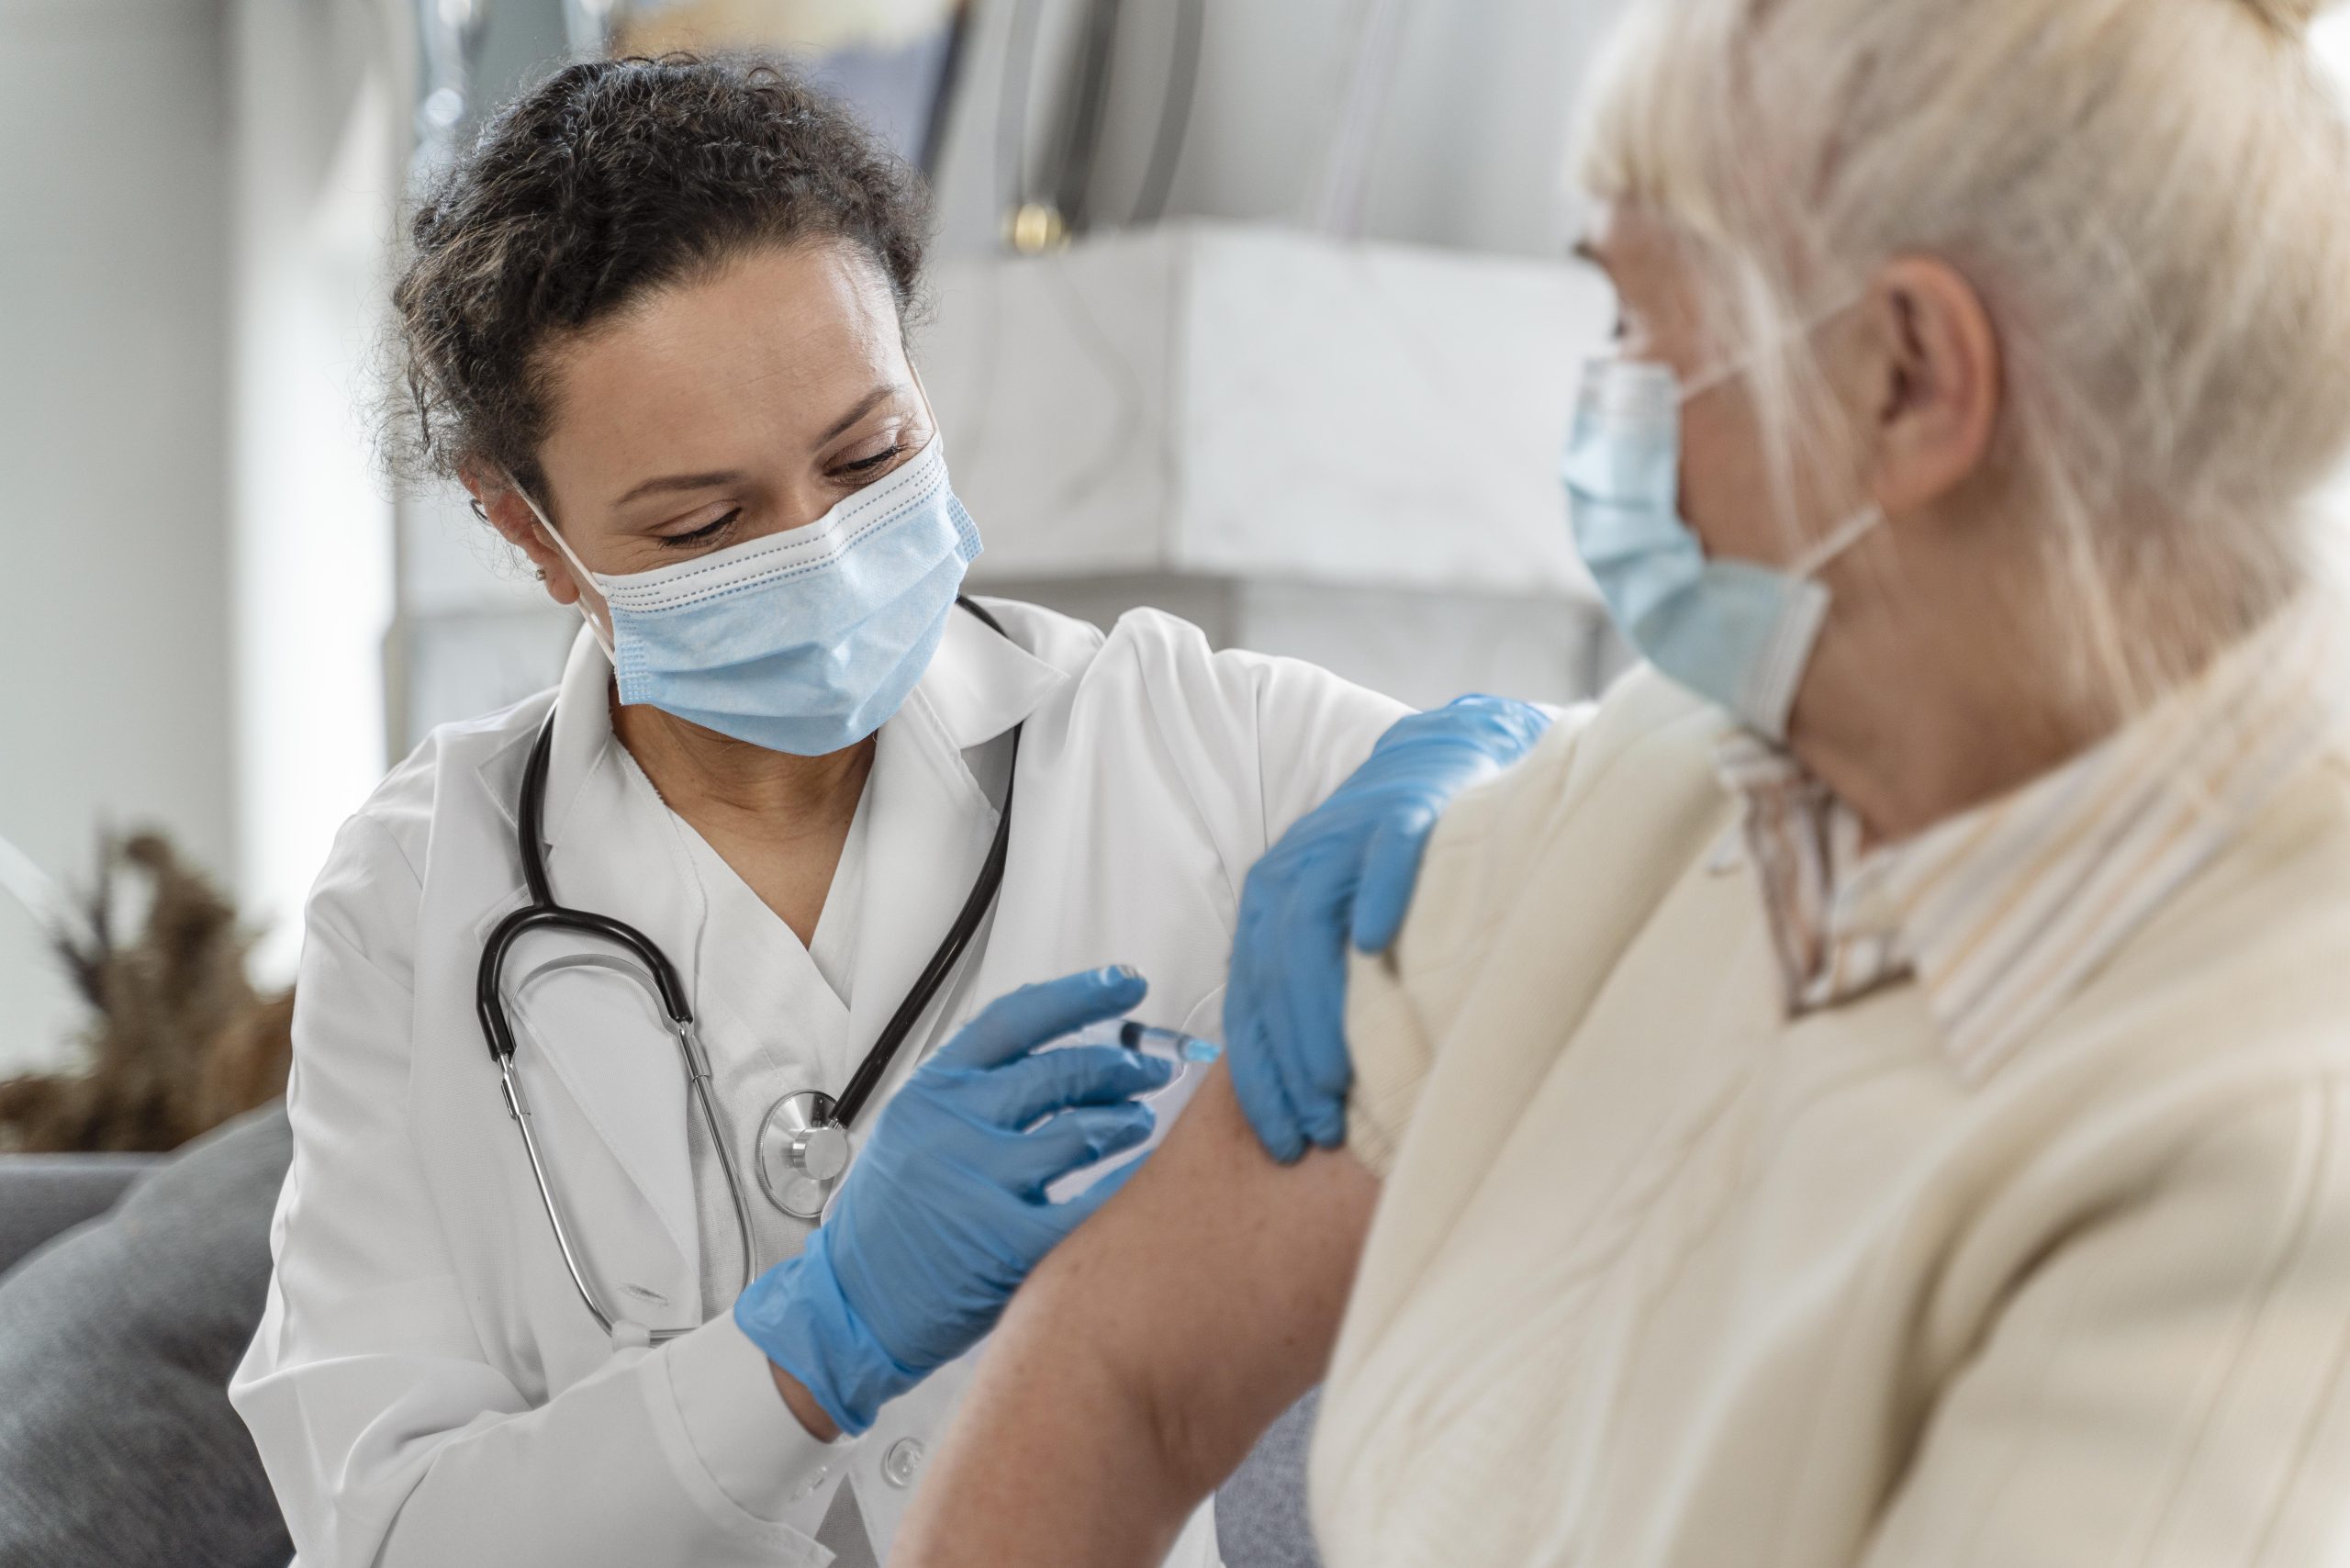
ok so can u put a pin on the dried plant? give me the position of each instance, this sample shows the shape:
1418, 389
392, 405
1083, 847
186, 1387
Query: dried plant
181, 1041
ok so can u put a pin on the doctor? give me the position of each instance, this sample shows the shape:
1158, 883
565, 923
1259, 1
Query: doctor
653, 321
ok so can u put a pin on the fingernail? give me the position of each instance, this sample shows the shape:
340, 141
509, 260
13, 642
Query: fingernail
1118, 972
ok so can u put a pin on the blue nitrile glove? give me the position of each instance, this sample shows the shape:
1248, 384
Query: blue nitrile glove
1347, 865
943, 1214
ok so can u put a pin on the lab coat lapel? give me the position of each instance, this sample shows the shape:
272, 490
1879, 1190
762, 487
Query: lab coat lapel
758, 987
933, 821
932, 824
981, 683
612, 848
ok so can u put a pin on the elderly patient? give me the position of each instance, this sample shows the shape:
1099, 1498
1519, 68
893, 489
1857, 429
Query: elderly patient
1877, 1092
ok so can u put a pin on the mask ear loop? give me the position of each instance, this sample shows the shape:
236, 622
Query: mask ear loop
601, 630
1846, 534
1720, 376
937, 436
1734, 368
1854, 529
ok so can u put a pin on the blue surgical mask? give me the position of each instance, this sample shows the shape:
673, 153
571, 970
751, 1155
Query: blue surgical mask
1735, 632
806, 641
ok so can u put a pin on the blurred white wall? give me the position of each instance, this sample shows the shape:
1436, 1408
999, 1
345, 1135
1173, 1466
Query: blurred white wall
197, 195
319, 142
2332, 35
115, 626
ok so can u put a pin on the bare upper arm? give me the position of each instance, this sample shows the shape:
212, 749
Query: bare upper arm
1213, 1287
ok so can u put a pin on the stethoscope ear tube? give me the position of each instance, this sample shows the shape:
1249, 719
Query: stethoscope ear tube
542, 913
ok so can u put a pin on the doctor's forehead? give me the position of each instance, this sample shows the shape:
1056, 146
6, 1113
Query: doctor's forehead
782, 341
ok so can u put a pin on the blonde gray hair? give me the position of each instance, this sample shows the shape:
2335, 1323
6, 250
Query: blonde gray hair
2152, 198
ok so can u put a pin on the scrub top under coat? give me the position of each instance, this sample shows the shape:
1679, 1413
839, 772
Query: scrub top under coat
426, 1386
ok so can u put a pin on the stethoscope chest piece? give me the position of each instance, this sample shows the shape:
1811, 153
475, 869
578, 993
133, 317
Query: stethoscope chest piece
802, 1151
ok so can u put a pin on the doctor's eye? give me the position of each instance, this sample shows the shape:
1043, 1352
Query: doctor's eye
708, 533
866, 468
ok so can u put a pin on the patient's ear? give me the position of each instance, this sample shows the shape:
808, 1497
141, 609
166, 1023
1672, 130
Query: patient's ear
1931, 366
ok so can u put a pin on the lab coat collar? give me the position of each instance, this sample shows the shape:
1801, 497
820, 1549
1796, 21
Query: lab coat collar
977, 686
981, 684
583, 727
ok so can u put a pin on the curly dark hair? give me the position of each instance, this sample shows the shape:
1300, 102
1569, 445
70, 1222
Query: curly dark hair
607, 181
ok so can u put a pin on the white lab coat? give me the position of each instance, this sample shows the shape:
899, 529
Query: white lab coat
426, 1386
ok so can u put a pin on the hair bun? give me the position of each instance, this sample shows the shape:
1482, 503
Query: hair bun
2291, 18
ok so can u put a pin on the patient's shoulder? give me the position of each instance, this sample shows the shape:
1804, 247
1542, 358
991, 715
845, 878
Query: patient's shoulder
1635, 774
1574, 845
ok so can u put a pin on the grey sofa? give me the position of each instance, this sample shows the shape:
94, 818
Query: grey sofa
44, 1195
118, 1444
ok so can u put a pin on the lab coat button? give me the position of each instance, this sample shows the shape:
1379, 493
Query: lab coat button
904, 1457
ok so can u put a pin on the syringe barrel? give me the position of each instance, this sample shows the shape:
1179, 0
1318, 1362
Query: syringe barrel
1168, 1045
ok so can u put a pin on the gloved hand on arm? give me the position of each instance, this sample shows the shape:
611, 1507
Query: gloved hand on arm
1346, 869
945, 1214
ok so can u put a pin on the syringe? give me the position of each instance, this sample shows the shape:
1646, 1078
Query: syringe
1167, 1044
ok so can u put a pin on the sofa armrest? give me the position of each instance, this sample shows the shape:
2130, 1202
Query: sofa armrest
43, 1195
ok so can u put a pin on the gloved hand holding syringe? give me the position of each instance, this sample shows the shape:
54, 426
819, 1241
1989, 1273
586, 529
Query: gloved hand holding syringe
1189, 1056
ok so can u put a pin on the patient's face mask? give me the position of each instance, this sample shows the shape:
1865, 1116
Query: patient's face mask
1737, 632
806, 641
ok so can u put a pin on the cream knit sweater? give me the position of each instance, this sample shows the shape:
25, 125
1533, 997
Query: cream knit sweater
1660, 1277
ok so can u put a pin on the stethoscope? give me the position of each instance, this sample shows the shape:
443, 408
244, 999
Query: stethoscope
804, 1145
